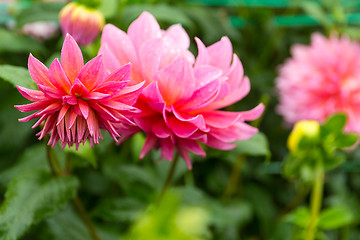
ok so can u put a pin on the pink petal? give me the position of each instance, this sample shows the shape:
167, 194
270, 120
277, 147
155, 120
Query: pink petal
236, 72
39, 72
181, 129
192, 146
51, 91
32, 95
167, 148
58, 77
109, 60
254, 113
148, 145
205, 74
152, 92
33, 106
221, 53
215, 143
84, 108
149, 56
176, 81
201, 97
62, 113
118, 43
178, 35
78, 89
184, 153
160, 129
129, 94
92, 73
197, 120
144, 28
221, 119
121, 74
119, 106
203, 57
71, 58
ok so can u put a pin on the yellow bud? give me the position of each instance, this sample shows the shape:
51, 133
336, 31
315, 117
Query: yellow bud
305, 128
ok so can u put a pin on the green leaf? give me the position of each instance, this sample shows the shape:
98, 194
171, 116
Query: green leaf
314, 9
33, 158
255, 146
11, 42
39, 11
334, 124
85, 152
17, 76
300, 217
30, 197
335, 217
119, 209
108, 8
346, 140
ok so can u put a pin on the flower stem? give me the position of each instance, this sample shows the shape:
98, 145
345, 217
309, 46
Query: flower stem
234, 180
57, 170
316, 200
169, 177
85, 217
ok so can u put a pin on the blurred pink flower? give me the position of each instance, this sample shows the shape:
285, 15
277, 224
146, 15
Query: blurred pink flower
181, 99
75, 100
41, 30
145, 45
320, 80
81, 22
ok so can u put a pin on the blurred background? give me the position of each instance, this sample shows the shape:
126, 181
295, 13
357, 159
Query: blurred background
230, 195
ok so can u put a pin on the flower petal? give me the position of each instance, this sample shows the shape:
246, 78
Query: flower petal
176, 81
92, 73
71, 58
58, 77
39, 72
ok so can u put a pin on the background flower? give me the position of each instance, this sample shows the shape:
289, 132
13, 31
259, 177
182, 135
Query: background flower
320, 80
81, 22
76, 101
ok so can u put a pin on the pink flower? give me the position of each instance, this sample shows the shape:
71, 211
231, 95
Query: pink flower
76, 101
181, 99
145, 45
81, 22
320, 80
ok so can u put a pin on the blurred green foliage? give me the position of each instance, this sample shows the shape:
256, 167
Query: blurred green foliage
230, 195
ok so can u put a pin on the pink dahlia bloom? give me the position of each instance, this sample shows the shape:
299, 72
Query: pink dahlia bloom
75, 100
81, 22
145, 45
320, 80
181, 101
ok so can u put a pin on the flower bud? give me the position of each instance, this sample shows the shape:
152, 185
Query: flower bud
81, 22
304, 128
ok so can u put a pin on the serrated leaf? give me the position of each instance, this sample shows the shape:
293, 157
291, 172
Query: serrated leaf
17, 76
335, 217
255, 146
30, 197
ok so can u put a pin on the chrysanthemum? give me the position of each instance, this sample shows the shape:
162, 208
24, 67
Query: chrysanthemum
145, 45
320, 80
75, 100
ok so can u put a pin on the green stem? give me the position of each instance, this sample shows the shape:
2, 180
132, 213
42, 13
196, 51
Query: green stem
85, 217
234, 180
316, 200
169, 177
57, 170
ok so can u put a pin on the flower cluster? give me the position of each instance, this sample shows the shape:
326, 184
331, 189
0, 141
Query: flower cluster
172, 96
320, 80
